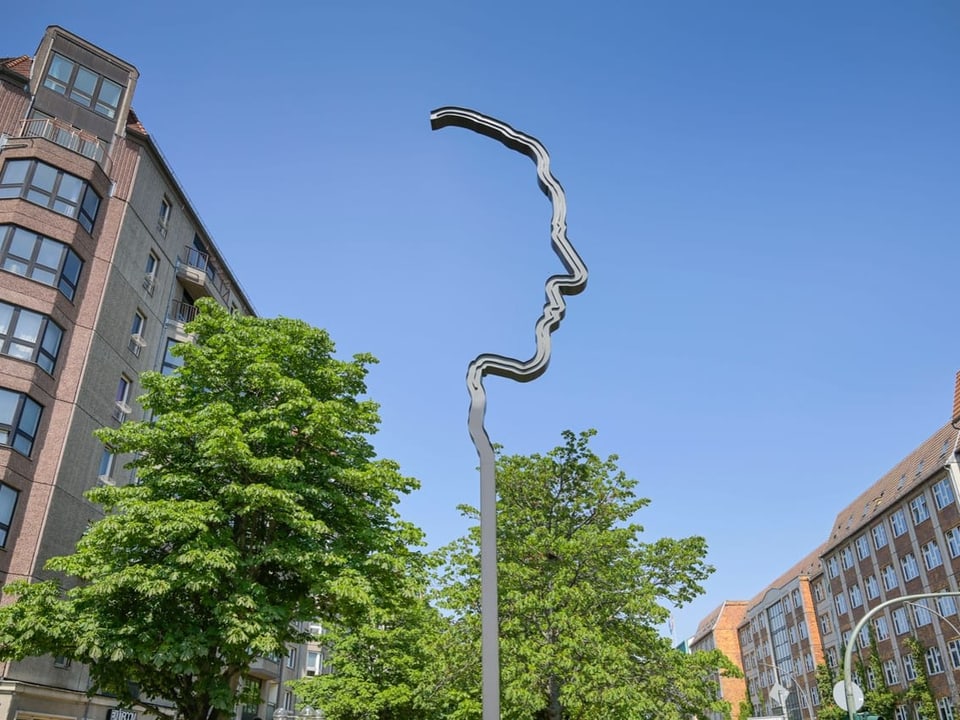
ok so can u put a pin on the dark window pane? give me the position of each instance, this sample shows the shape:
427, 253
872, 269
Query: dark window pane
44, 177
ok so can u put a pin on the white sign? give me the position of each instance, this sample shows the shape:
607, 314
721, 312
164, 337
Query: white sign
779, 694
840, 695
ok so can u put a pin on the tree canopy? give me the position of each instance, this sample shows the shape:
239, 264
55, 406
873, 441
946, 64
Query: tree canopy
257, 503
581, 598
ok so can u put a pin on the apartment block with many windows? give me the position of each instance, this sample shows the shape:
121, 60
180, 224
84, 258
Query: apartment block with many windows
780, 644
899, 537
102, 256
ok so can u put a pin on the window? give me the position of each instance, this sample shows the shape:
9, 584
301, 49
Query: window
856, 597
873, 587
890, 672
919, 509
943, 493
841, 601
846, 558
30, 336
19, 420
8, 504
898, 523
62, 662
909, 567
831, 657
890, 581
863, 638
879, 536
931, 555
122, 400
39, 258
797, 598
952, 537
137, 343
818, 592
909, 671
880, 625
171, 362
83, 86
871, 678
832, 568
802, 628
954, 648
150, 273
52, 188
825, 624
945, 708
947, 605
105, 471
900, 622
863, 547
900, 712
164, 218
921, 614
934, 661
313, 662
291, 657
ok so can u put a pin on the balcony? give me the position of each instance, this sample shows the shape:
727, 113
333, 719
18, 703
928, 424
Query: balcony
67, 136
181, 312
199, 276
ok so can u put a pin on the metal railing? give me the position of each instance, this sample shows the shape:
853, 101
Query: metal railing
201, 261
65, 135
181, 312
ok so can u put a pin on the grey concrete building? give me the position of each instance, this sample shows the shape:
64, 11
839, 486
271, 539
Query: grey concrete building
102, 256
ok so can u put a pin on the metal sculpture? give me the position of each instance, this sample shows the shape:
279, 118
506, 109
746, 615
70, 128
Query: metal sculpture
520, 370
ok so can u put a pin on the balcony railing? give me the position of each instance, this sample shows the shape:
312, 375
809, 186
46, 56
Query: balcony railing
200, 261
181, 312
69, 137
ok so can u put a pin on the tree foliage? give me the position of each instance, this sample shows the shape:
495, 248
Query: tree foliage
826, 679
581, 598
258, 502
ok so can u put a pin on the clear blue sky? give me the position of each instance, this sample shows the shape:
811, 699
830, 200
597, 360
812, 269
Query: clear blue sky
765, 195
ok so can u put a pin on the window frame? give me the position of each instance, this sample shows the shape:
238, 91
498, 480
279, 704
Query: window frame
898, 523
28, 191
62, 277
9, 513
943, 493
39, 354
932, 555
919, 509
94, 99
14, 430
909, 561
879, 532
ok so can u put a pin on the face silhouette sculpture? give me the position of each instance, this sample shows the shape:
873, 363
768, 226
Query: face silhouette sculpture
520, 370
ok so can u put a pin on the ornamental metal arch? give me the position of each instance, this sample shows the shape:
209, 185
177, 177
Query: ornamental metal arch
557, 286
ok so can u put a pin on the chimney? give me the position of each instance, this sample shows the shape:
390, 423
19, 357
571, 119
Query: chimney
956, 399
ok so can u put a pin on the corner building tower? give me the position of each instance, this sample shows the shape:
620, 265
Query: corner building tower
101, 259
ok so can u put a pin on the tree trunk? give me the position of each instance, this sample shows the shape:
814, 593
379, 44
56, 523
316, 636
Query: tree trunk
554, 709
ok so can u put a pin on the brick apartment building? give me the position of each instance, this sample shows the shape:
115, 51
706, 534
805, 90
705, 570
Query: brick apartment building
718, 631
779, 644
102, 256
899, 537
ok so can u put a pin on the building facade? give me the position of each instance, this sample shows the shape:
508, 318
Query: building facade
102, 256
899, 537
718, 631
780, 645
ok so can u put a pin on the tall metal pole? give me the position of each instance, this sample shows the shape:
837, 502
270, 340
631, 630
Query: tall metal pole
848, 651
520, 370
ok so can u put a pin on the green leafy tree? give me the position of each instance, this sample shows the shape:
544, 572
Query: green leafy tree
580, 598
826, 679
745, 710
382, 662
258, 502
919, 692
879, 700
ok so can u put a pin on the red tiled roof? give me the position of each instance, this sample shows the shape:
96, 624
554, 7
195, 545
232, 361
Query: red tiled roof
808, 566
19, 65
917, 467
133, 123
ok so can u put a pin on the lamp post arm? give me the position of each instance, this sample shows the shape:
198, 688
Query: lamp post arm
848, 651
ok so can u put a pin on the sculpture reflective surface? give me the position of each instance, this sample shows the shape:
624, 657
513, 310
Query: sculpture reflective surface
557, 286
